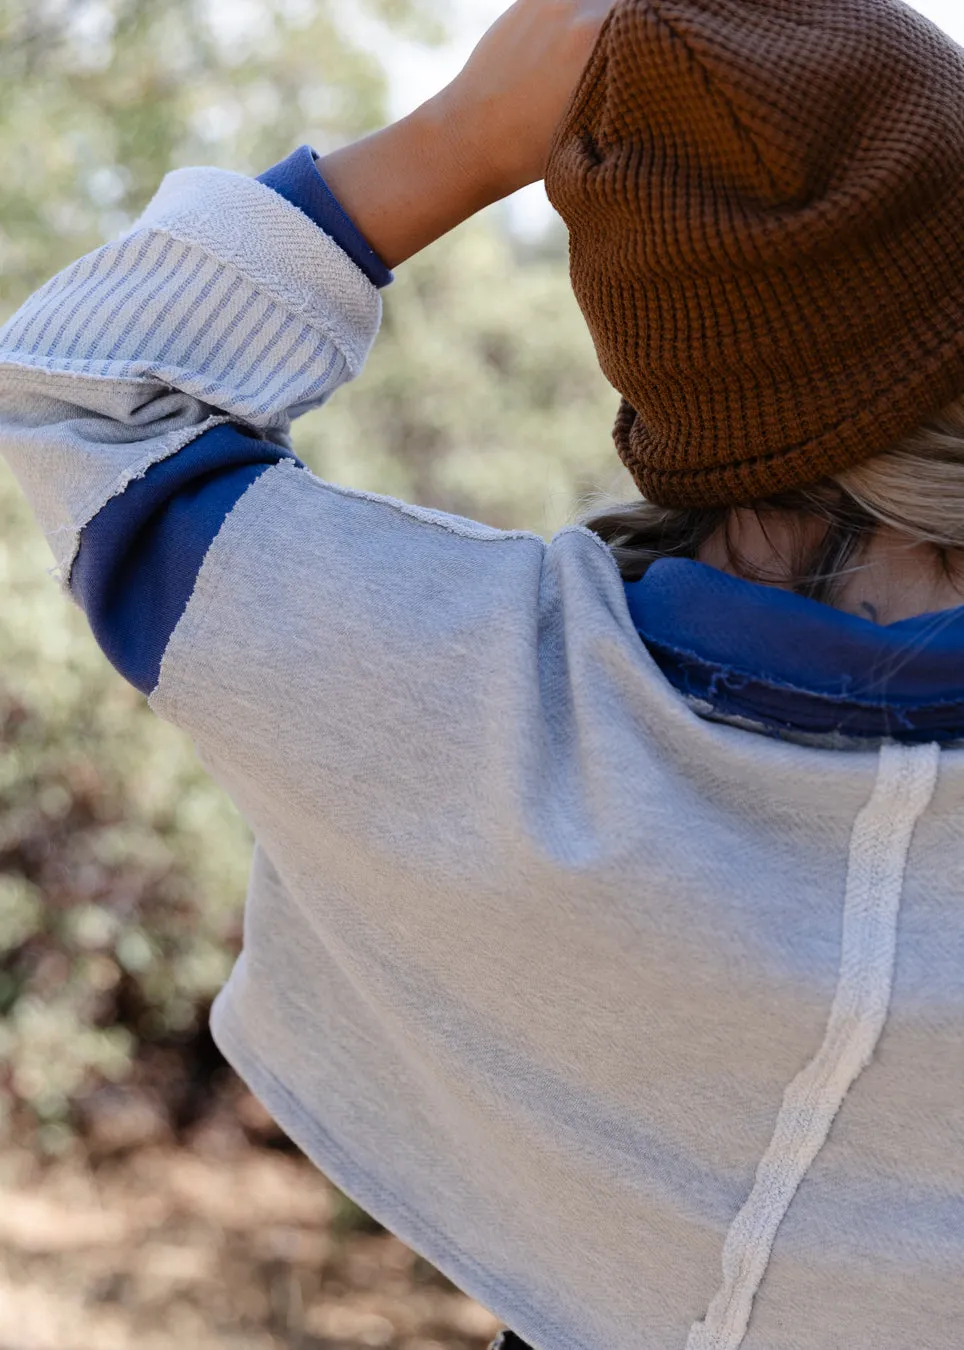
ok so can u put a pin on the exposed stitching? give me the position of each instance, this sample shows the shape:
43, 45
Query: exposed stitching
879, 845
290, 466
591, 534
131, 474
173, 700
812, 740
424, 515
738, 678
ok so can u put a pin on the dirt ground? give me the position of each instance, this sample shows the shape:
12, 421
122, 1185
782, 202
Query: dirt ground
209, 1244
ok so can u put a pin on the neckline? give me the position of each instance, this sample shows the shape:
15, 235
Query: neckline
787, 663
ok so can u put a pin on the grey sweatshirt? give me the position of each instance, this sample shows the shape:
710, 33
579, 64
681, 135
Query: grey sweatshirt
646, 1029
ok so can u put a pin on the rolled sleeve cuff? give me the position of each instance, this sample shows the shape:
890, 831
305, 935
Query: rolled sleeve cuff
299, 182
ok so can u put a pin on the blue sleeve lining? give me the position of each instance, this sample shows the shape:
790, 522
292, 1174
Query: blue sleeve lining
299, 182
140, 555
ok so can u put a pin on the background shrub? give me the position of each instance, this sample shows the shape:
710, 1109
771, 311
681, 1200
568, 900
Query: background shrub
122, 866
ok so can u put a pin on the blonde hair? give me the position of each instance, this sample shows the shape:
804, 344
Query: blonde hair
915, 488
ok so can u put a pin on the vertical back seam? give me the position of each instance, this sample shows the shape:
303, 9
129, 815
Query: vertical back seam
879, 845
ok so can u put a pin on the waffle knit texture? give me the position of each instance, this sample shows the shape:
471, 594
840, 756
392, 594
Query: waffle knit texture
764, 202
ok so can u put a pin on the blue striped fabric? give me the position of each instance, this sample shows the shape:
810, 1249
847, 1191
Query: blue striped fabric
88, 320
213, 332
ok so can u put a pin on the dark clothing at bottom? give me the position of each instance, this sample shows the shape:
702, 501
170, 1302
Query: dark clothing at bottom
508, 1340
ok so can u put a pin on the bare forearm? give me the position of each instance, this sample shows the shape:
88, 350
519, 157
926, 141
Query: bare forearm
409, 184
482, 137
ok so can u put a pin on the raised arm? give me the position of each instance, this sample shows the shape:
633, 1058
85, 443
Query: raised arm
486, 135
146, 388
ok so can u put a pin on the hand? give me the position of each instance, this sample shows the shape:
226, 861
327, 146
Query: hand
515, 87
485, 135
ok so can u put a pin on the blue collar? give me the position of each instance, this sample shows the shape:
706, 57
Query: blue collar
791, 665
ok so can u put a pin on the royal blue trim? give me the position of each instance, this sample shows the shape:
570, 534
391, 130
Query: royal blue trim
140, 555
780, 661
299, 182
792, 664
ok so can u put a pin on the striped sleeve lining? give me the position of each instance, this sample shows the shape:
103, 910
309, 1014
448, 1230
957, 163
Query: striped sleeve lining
223, 290
139, 557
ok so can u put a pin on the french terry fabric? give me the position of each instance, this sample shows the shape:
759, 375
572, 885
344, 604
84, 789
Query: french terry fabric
646, 1029
139, 556
752, 655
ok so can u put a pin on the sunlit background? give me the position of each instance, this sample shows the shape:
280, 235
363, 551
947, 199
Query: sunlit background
415, 72
145, 1199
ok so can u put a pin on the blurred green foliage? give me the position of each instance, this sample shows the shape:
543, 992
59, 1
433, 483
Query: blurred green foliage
122, 867
102, 97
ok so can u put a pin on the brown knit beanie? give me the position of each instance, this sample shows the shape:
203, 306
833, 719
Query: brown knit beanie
765, 201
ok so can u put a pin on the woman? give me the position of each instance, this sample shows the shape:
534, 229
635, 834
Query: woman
604, 936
